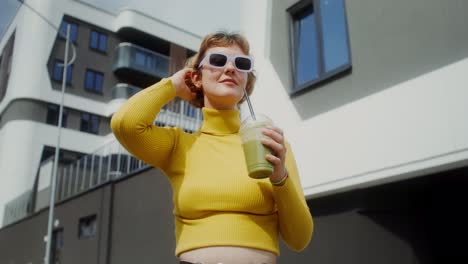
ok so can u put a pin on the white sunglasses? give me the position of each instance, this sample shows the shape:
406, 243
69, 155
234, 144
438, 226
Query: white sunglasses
243, 63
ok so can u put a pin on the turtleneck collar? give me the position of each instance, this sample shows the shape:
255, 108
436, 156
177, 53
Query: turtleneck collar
220, 122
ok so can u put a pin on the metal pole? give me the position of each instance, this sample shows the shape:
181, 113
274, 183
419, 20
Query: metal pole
56, 158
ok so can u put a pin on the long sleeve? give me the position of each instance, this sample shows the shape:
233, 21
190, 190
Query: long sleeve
133, 126
295, 220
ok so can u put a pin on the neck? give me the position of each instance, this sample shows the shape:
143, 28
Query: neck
220, 105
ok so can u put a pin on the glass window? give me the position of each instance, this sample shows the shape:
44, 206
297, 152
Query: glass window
57, 246
94, 81
319, 41
94, 40
98, 41
53, 114
98, 80
89, 123
335, 35
307, 57
73, 30
57, 71
89, 80
103, 42
87, 227
140, 58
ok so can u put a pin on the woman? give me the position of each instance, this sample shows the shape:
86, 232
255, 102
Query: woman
221, 214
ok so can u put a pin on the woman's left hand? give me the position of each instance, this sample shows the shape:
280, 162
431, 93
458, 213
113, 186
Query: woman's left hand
275, 142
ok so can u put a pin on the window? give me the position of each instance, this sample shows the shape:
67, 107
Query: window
53, 114
319, 41
145, 59
57, 246
73, 30
98, 41
57, 72
87, 227
94, 81
89, 123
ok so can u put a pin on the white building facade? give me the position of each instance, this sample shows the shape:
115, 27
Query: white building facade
399, 108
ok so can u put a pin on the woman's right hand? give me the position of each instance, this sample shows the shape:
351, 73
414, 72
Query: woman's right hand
179, 81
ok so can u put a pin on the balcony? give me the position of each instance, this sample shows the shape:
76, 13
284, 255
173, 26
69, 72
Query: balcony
140, 65
124, 91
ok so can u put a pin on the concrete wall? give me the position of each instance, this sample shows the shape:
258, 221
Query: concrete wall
143, 224
134, 224
23, 242
410, 222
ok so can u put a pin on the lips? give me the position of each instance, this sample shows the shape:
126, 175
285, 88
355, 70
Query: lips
229, 81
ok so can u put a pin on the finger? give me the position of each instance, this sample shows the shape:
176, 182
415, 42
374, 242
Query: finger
277, 129
273, 134
273, 159
275, 147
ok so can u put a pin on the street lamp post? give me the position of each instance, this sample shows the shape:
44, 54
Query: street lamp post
57, 150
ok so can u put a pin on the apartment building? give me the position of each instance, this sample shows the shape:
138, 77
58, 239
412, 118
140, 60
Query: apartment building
113, 60
370, 94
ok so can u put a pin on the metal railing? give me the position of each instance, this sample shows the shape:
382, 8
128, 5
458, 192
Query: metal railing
16, 208
112, 161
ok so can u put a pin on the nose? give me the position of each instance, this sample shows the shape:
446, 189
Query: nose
230, 67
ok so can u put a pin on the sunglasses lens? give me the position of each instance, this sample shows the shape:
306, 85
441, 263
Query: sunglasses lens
243, 63
218, 60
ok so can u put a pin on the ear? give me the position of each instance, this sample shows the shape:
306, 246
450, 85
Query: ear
196, 78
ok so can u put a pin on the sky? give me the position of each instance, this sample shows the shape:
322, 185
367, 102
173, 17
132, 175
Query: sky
7, 12
218, 14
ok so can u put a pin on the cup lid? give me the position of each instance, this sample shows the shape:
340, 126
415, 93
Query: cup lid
260, 120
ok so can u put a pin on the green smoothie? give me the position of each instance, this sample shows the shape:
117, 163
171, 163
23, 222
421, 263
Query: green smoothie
257, 166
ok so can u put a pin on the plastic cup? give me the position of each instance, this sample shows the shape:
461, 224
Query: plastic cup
254, 151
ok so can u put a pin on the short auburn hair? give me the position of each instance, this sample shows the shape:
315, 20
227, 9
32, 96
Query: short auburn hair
218, 39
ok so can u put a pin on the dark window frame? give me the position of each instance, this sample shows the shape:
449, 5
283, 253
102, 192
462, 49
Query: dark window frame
323, 76
86, 123
59, 78
98, 47
94, 87
88, 220
57, 245
63, 34
53, 112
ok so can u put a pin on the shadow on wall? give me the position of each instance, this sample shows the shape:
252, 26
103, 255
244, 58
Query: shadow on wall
426, 212
408, 222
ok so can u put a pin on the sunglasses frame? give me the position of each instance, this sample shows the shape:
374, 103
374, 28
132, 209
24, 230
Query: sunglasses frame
230, 58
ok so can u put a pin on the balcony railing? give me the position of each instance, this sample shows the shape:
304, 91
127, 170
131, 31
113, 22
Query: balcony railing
16, 208
132, 57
